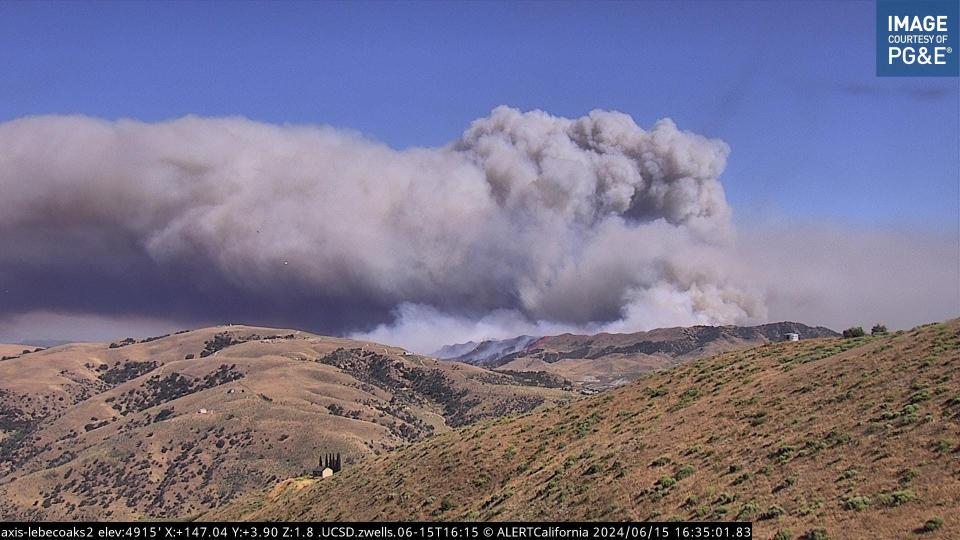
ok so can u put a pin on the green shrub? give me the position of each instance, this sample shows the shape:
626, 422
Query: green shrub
942, 446
835, 438
666, 482
684, 472
660, 461
740, 479
696, 449
688, 397
815, 534
783, 454
932, 524
908, 474
773, 512
847, 474
725, 498
856, 502
878, 329
853, 332
747, 511
783, 534
897, 498
655, 392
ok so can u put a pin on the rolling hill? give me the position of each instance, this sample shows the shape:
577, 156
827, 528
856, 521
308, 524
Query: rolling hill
174, 425
607, 360
821, 438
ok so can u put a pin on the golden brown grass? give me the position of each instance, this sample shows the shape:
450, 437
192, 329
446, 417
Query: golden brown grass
858, 437
80, 457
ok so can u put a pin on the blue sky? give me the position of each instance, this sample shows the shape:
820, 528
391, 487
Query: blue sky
815, 135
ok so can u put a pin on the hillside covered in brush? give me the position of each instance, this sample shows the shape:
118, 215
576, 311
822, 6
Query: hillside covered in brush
821, 438
175, 425
607, 360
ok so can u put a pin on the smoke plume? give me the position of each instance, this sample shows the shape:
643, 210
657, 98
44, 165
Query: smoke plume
525, 224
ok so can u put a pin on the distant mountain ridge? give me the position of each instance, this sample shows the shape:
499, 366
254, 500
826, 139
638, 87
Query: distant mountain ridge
675, 341
605, 359
485, 352
46, 343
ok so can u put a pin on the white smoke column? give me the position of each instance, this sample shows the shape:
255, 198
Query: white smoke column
584, 223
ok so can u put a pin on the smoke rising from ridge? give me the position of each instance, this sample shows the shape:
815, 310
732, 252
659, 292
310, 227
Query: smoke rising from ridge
526, 223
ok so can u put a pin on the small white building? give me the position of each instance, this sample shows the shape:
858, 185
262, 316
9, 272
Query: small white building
202, 411
326, 473
792, 336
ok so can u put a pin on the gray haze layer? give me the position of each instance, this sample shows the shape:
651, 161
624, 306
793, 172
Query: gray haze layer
528, 223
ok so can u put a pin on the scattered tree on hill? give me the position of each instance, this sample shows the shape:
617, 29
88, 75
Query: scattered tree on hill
854, 331
333, 461
878, 329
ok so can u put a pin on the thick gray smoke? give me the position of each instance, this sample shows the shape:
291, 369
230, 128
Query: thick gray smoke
528, 223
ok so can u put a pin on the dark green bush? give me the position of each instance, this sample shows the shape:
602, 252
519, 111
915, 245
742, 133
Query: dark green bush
773, 512
856, 502
816, 534
660, 461
932, 524
683, 472
897, 498
747, 511
666, 482
854, 331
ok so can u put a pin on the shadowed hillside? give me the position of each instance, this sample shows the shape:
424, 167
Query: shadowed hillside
173, 425
825, 438
606, 360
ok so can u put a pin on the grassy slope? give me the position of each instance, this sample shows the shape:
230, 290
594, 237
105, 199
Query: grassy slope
853, 436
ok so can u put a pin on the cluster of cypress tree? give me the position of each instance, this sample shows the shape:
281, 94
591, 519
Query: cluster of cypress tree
330, 460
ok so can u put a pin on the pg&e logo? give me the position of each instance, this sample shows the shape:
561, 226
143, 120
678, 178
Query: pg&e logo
917, 38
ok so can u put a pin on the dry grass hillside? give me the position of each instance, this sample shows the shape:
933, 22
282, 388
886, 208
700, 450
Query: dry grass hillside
174, 425
8, 351
825, 438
